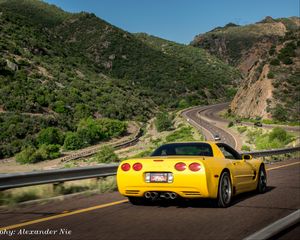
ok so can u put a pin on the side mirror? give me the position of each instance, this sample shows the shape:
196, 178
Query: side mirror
246, 157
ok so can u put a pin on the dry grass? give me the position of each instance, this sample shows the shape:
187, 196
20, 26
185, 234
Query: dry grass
13, 196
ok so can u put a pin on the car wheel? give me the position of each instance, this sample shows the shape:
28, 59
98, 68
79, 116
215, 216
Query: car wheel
262, 180
225, 190
136, 200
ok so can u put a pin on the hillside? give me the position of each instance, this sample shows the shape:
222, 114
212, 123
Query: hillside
267, 54
57, 68
205, 65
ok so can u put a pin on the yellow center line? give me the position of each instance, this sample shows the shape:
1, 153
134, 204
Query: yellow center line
65, 214
62, 215
286, 165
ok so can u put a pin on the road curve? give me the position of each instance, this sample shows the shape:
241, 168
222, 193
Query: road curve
197, 116
212, 113
101, 217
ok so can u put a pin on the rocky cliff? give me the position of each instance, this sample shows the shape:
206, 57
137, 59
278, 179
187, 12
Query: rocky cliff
267, 54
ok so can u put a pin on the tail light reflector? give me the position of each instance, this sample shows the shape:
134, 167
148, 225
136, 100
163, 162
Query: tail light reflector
125, 167
194, 167
180, 166
137, 166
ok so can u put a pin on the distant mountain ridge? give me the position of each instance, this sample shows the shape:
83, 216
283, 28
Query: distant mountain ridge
267, 53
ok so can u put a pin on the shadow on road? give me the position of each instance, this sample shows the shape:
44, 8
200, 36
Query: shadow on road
202, 203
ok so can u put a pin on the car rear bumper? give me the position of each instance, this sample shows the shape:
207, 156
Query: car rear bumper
185, 192
185, 185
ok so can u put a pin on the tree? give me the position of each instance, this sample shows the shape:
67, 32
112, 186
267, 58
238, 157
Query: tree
50, 135
89, 131
183, 104
59, 107
106, 155
82, 111
280, 113
72, 141
278, 133
163, 122
26, 155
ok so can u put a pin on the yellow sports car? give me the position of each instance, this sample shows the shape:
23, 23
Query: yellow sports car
191, 170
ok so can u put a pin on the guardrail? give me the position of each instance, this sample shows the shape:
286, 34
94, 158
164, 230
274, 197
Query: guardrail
16, 180
265, 153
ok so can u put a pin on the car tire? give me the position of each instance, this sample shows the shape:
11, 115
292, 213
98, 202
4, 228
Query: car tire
224, 190
136, 200
262, 180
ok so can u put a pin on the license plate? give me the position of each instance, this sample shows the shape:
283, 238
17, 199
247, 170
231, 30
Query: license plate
158, 177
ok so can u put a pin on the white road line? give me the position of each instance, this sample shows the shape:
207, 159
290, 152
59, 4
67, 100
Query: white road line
235, 141
191, 120
276, 227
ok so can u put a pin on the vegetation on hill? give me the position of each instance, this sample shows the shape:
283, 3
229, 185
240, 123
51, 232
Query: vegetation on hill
57, 68
205, 66
231, 42
285, 75
266, 52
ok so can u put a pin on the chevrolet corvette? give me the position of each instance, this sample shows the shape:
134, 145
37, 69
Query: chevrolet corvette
191, 170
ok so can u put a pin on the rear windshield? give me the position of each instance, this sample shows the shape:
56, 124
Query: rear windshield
187, 149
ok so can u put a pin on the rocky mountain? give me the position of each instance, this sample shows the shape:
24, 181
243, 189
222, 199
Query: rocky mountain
267, 54
57, 68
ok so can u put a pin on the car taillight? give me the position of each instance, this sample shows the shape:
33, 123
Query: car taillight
137, 166
194, 167
125, 167
180, 166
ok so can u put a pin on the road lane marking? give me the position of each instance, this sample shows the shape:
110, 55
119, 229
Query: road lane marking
62, 215
93, 208
286, 165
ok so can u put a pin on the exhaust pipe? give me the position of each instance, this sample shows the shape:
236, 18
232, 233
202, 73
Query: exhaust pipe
154, 195
167, 195
147, 194
173, 195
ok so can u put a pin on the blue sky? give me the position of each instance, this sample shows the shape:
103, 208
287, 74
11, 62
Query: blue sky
180, 20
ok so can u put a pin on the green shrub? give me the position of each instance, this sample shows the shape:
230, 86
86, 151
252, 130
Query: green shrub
50, 135
181, 135
271, 75
280, 134
287, 60
112, 127
106, 155
72, 141
145, 153
230, 124
275, 62
183, 104
59, 107
163, 122
245, 148
272, 50
277, 138
26, 155
280, 113
32, 155
242, 129
90, 131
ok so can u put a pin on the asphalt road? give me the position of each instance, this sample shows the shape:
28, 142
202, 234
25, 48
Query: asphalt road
174, 220
212, 114
207, 120
197, 117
